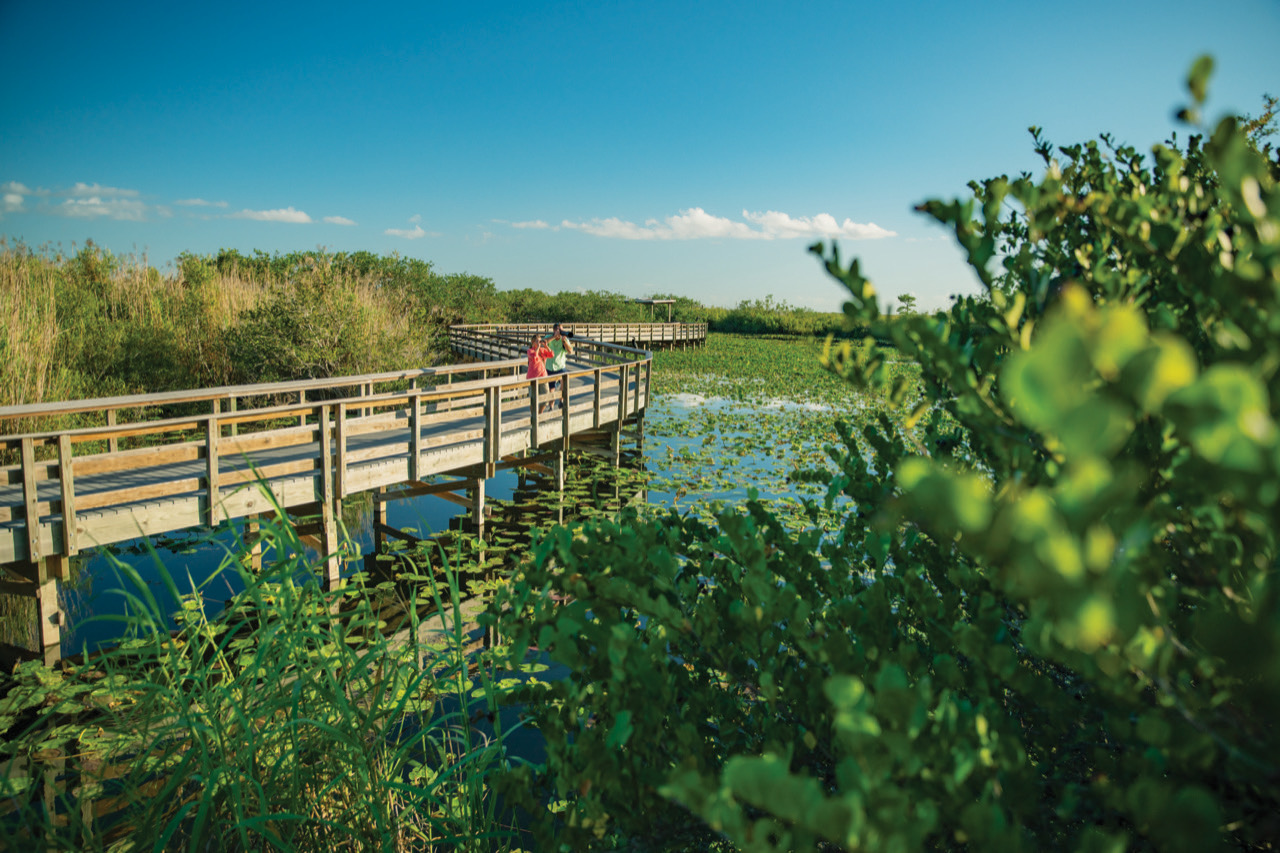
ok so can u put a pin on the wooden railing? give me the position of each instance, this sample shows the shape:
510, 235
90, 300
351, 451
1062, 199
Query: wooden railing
648, 335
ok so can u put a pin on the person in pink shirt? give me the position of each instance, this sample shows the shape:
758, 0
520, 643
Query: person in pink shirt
538, 355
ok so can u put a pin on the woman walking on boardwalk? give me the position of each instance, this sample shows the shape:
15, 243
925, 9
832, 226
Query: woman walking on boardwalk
538, 355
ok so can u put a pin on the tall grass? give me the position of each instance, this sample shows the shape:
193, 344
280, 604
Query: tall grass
289, 723
94, 324
30, 370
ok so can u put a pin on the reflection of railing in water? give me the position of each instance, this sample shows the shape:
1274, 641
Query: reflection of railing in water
392, 435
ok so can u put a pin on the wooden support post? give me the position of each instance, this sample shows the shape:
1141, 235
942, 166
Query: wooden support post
492, 429
67, 482
622, 392
48, 613
615, 442
231, 406
564, 413
329, 502
595, 399
31, 500
535, 404
302, 398
635, 407
415, 433
475, 491
379, 520
211, 435
340, 440
558, 465
253, 538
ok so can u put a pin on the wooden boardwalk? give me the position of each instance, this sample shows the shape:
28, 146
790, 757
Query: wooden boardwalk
309, 443
505, 340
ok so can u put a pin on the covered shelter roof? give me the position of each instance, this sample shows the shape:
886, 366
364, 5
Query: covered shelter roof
653, 302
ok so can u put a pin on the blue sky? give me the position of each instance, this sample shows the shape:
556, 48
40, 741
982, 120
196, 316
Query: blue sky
646, 147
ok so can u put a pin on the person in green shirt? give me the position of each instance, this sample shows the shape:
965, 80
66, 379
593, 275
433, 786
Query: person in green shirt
561, 348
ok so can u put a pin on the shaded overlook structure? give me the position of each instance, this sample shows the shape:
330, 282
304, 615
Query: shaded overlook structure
174, 461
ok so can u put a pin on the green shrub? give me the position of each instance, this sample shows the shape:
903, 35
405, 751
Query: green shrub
766, 317
1051, 618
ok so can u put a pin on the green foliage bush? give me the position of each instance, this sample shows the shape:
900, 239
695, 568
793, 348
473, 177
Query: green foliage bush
766, 317
1051, 617
316, 324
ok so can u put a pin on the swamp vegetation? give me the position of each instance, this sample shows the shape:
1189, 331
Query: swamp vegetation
1006, 584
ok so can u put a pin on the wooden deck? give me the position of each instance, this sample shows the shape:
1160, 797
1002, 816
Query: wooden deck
309, 443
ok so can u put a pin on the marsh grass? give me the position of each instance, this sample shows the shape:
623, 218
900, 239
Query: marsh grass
93, 324
289, 722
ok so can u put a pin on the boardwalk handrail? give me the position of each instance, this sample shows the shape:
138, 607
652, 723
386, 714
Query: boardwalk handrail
227, 392
655, 334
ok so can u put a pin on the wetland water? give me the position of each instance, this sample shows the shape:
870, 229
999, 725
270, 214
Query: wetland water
700, 453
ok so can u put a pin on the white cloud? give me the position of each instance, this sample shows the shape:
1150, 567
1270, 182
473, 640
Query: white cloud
98, 190
81, 201
339, 220
287, 214
199, 202
537, 223
823, 225
696, 224
89, 207
13, 196
415, 233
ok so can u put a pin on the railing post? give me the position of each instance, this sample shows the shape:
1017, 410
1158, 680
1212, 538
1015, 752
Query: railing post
67, 481
329, 504
564, 413
636, 406
211, 434
302, 399
340, 427
113, 444
492, 428
595, 398
622, 391
415, 431
31, 500
535, 403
